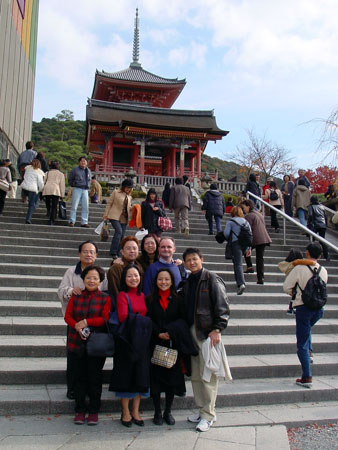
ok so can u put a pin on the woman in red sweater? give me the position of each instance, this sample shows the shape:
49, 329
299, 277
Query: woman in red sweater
128, 375
89, 309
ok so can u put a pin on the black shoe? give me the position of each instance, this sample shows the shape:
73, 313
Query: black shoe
249, 270
167, 416
210, 234
139, 423
126, 423
260, 281
158, 419
70, 395
29, 222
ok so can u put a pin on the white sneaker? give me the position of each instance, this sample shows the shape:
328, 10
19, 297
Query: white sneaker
196, 418
204, 425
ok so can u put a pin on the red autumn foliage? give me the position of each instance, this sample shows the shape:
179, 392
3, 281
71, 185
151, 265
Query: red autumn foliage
321, 177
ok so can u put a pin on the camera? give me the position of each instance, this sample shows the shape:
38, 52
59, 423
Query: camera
85, 332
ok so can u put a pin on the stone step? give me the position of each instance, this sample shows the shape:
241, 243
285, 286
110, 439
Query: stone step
238, 311
18, 325
51, 399
54, 346
48, 370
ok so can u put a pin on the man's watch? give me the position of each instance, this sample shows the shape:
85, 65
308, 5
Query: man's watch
217, 330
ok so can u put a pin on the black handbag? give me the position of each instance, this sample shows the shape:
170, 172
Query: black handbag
100, 344
62, 210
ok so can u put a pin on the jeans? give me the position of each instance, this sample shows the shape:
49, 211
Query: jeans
217, 221
287, 204
305, 319
301, 216
33, 198
259, 261
237, 262
120, 229
79, 195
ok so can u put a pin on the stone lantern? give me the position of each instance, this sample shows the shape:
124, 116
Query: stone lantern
113, 183
206, 180
131, 174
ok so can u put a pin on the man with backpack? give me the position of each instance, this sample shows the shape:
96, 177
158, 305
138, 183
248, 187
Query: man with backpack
207, 313
310, 285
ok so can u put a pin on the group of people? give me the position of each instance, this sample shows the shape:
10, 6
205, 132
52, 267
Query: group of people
156, 304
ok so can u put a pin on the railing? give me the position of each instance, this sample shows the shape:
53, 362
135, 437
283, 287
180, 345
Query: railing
231, 187
290, 219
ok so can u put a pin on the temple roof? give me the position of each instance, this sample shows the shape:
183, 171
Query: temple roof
139, 75
101, 112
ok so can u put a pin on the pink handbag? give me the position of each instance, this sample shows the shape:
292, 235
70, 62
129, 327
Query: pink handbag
164, 223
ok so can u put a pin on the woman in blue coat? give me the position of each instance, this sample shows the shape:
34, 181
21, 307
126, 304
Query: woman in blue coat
213, 207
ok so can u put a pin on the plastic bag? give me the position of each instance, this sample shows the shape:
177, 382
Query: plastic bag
140, 234
99, 228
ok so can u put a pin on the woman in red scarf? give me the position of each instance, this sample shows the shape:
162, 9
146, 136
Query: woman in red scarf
164, 307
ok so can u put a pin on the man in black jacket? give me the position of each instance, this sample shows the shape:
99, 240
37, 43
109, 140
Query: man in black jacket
207, 313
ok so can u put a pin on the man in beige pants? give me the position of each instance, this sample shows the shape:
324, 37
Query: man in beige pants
180, 202
204, 298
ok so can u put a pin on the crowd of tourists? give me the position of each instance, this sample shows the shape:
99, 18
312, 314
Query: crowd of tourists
165, 315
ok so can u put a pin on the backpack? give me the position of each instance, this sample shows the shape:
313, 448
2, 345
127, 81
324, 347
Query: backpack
245, 236
314, 295
273, 195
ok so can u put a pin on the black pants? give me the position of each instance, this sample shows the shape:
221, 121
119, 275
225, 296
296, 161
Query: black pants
52, 206
2, 200
321, 232
259, 261
274, 220
169, 398
87, 373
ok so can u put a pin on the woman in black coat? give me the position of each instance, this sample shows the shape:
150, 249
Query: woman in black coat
166, 195
253, 186
151, 210
164, 307
214, 206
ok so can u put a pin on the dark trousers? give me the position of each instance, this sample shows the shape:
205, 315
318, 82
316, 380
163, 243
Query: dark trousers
52, 202
2, 200
211, 224
259, 261
169, 398
237, 262
305, 319
87, 373
287, 205
321, 232
274, 220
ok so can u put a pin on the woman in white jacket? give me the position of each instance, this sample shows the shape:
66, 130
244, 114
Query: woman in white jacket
33, 183
54, 190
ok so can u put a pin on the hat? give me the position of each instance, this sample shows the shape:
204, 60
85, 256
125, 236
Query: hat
270, 179
127, 183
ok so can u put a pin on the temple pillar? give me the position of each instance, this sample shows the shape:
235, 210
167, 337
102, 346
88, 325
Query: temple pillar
168, 161
108, 155
198, 161
142, 157
182, 159
192, 161
134, 158
173, 162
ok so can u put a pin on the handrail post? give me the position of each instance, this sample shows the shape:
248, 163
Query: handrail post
284, 231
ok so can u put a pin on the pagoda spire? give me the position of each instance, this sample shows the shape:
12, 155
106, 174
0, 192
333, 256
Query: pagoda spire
136, 44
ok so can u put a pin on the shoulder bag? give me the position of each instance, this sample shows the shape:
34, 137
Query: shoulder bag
100, 344
164, 356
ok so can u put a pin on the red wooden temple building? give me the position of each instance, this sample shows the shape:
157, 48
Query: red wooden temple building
131, 123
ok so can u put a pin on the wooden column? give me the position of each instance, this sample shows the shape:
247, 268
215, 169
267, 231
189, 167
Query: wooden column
198, 161
182, 159
110, 153
168, 159
173, 162
192, 161
134, 159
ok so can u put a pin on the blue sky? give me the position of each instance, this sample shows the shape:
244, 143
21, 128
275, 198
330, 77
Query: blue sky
270, 66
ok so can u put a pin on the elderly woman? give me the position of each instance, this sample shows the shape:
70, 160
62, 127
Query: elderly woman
231, 233
89, 309
260, 239
54, 190
117, 211
33, 183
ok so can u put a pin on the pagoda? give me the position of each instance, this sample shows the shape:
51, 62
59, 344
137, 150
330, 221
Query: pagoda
130, 122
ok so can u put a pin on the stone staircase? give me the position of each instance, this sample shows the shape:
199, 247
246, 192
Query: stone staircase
260, 339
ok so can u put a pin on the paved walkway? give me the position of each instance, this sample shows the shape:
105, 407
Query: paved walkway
58, 432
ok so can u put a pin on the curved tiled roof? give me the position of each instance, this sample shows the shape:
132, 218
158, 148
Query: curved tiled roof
140, 75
